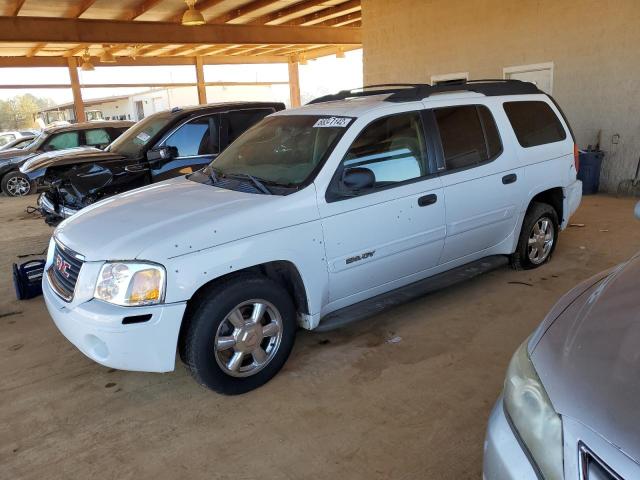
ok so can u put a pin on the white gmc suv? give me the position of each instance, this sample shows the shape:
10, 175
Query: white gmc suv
311, 218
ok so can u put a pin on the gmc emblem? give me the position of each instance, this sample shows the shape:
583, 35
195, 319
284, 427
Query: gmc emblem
62, 266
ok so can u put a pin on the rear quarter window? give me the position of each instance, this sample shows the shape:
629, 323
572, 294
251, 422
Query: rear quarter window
534, 123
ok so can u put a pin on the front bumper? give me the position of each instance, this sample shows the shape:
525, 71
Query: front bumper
48, 207
96, 329
504, 458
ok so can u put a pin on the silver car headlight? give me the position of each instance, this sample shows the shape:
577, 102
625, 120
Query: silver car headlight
131, 284
533, 415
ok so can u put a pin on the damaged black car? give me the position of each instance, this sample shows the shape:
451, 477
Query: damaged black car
164, 145
93, 134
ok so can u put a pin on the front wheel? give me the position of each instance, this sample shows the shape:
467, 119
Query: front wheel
538, 237
16, 184
239, 335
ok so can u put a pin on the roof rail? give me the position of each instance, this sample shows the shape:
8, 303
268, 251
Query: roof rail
407, 92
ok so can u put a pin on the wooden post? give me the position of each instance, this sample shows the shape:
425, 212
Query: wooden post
294, 82
202, 88
78, 103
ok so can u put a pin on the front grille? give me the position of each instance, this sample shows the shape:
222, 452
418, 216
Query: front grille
63, 272
593, 468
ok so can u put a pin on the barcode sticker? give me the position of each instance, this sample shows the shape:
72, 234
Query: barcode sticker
340, 122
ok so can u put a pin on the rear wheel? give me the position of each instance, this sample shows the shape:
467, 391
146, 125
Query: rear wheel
239, 335
538, 237
16, 184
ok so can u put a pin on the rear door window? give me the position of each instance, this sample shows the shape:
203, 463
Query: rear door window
98, 137
240, 121
534, 123
468, 135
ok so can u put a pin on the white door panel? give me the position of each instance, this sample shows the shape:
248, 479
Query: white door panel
381, 237
481, 212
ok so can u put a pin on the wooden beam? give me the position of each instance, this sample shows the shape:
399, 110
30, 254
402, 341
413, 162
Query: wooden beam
63, 30
84, 6
317, 17
78, 104
202, 88
294, 82
298, 8
139, 9
243, 11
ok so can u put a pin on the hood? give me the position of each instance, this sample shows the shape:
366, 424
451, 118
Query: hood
178, 217
66, 157
589, 358
15, 156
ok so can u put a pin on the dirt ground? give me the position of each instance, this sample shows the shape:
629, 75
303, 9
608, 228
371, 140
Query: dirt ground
349, 404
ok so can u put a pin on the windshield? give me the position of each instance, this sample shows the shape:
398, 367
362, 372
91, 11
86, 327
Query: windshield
283, 150
132, 142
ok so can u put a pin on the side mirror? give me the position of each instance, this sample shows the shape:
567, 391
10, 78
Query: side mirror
358, 179
638, 210
162, 153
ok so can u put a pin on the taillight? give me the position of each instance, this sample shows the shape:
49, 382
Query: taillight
576, 157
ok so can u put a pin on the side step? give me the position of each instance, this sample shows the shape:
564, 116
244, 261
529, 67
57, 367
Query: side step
384, 301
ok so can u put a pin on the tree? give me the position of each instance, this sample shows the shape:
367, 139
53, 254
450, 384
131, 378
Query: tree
19, 112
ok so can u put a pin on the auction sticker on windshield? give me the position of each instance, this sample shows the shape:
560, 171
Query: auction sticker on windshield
143, 136
332, 122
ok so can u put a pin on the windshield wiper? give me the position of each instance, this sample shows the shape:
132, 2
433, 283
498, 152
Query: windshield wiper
259, 185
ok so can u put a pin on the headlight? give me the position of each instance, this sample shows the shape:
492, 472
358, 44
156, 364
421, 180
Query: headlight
533, 416
130, 284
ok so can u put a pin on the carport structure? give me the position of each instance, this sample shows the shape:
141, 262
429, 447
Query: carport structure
69, 33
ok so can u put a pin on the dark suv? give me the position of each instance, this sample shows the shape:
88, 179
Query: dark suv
93, 134
164, 145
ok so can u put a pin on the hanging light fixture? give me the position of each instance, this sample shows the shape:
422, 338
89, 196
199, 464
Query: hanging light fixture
87, 66
192, 17
340, 53
107, 56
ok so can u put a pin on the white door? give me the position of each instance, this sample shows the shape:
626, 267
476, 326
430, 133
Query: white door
482, 182
540, 75
386, 233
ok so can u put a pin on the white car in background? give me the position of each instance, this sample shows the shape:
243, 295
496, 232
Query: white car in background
309, 218
8, 137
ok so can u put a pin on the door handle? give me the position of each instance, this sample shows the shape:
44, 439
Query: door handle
427, 200
511, 178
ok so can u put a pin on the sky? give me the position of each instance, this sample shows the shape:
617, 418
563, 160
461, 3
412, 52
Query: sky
318, 77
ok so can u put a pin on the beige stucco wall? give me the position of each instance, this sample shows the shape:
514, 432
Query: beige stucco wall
594, 46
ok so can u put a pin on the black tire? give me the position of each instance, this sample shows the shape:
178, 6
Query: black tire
197, 345
537, 211
11, 189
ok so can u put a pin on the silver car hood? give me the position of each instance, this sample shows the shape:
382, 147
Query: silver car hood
588, 358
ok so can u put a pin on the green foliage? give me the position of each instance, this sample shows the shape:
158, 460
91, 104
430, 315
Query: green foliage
19, 112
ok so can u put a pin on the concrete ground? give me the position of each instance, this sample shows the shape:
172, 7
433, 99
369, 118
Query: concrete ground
349, 404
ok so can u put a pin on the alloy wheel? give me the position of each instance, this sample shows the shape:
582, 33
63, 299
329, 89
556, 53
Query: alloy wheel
541, 240
248, 338
18, 186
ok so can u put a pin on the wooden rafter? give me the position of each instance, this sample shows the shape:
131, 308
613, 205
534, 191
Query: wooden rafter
140, 9
75, 51
294, 10
347, 19
317, 17
83, 7
15, 7
202, 5
243, 11
34, 51
191, 49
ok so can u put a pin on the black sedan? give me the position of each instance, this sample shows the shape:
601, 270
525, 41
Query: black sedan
94, 134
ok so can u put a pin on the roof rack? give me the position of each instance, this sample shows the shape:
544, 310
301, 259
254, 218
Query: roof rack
407, 92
